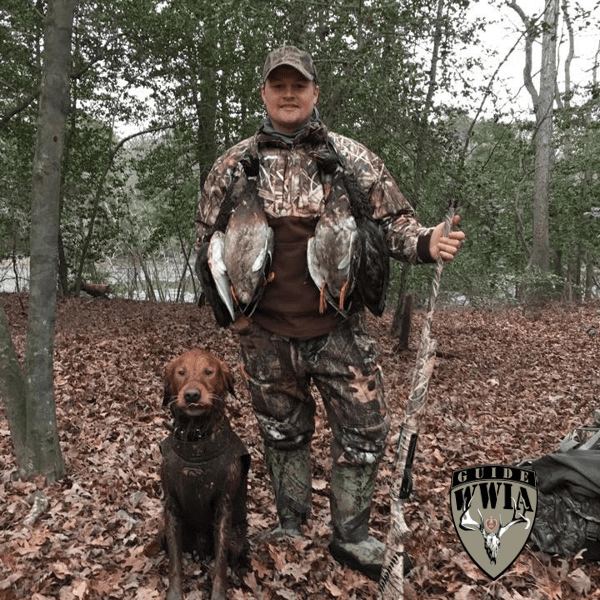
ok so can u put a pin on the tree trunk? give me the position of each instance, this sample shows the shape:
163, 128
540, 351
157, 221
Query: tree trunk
544, 152
43, 453
402, 323
591, 260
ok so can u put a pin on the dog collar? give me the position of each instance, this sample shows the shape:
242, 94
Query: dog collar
183, 434
209, 445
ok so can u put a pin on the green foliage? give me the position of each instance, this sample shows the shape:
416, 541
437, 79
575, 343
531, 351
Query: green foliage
16, 158
167, 189
191, 71
20, 47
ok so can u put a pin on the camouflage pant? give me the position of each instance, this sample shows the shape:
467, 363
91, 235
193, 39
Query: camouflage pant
342, 365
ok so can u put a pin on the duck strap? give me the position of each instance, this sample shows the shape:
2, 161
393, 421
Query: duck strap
250, 165
359, 201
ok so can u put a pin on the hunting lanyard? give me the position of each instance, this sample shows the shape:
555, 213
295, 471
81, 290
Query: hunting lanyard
392, 575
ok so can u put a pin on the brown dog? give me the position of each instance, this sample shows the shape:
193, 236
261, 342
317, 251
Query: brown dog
204, 471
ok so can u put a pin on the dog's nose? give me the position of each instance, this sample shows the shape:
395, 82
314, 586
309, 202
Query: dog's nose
192, 396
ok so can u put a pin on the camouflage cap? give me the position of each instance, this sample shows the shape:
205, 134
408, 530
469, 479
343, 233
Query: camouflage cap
290, 55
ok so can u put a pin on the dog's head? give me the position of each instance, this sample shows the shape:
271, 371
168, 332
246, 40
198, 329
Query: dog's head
196, 383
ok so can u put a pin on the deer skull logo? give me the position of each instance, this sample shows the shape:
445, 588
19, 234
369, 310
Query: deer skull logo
493, 500
491, 538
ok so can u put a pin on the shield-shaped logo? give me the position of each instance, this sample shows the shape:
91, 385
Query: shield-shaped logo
493, 509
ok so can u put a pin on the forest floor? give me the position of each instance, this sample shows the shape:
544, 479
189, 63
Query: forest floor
508, 385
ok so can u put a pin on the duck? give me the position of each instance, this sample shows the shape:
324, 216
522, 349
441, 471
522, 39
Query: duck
334, 252
248, 240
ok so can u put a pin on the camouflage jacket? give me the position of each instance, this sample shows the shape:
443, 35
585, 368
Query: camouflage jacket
290, 186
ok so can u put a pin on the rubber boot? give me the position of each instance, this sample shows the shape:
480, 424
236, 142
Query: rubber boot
351, 494
290, 472
352, 489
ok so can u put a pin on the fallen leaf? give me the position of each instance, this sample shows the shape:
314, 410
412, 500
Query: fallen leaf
333, 589
504, 388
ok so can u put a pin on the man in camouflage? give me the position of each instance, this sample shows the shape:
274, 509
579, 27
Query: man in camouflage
288, 344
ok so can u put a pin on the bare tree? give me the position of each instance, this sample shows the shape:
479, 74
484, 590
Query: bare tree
543, 104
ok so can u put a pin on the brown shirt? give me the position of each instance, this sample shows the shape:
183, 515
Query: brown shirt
290, 303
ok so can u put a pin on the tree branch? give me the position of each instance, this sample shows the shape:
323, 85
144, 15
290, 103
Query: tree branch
6, 117
21, 106
530, 35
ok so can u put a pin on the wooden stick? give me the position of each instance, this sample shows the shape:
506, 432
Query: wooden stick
391, 582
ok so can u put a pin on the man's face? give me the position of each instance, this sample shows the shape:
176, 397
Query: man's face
289, 98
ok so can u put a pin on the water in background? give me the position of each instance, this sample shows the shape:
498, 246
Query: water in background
158, 279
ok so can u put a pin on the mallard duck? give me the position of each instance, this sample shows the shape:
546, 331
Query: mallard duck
248, 244
334, 252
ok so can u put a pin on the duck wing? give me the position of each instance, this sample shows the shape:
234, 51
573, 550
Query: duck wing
210, 270
218, 270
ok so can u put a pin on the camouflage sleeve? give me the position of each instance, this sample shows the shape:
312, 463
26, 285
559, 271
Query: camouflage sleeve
407, 239
215, 188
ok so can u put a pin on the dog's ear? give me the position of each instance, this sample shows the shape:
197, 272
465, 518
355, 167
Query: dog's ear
167, 380
228, 377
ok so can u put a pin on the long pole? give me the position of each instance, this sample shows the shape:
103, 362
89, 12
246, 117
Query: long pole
392, 575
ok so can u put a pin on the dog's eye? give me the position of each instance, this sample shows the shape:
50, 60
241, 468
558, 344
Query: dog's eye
181, 372
208, 371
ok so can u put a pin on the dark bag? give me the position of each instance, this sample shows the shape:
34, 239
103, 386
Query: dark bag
567, 519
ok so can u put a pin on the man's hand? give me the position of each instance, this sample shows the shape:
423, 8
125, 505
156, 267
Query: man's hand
446, 247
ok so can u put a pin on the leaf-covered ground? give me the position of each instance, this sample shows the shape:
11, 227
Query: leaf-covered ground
506, 386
